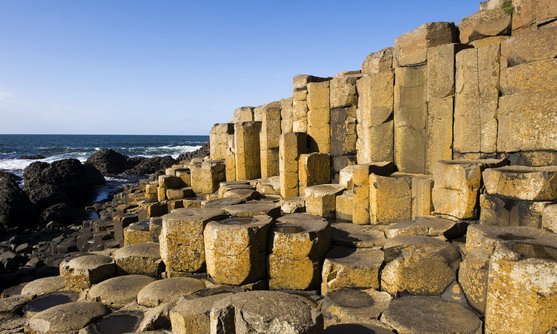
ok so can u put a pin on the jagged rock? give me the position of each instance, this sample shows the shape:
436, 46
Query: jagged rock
168, 290
419, 265
236, 249
299, 242
141, 259
193, 316
109, 162
265, 312
66, 318
430, 315
378, 61
351, 268
15, 207
82, 272
43, 286
146, 166
428, 227
522, 182
354, 306
116, 292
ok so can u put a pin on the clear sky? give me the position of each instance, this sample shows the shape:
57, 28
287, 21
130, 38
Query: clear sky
177, 67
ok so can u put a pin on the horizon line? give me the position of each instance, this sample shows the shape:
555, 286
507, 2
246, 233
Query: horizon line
96, 134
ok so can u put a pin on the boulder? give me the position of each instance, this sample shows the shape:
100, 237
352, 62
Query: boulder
146, 166
66, 318
15, 207
168, 290
141, 259
268, 312
420, 314
109, 162
116, 292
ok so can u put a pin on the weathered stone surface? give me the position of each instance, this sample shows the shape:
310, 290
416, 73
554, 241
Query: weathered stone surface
230, 159
181, 239
378, 61
206, 177
173, 194
521, 182
351, 268
522, 287
292, 144
430, 315
171, 182
299, 242
265, 312
269, 115
344, 206
243, 114
236, 249
293, 204
247, 154
427, 227
286, 115
533, 77
253, 209
371, 326
499, 211
314, 169
66, 318
410, 117
218, 140
357, 236
43, 286
485, 23
529, 46
343, 131
137, 233
419, 265
549, 218
354, 306
541, 117
14, 304
375, 117
122, 321
343, 90
82, 272
411, 48
532, 12
116, 292
49, 300
456, 186
141, 259
193, 316
422, 204
476, 99
318, 116
390, 199
168, 290
321, 199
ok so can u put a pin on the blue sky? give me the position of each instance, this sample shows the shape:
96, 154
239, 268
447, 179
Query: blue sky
177, 67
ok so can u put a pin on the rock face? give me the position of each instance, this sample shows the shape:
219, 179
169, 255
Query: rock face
109, 162
15, 207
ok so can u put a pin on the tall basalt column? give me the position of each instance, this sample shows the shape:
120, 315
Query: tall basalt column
218, 140
291, 145
246, 138
269, 116
300, 102
319, 119
343, 103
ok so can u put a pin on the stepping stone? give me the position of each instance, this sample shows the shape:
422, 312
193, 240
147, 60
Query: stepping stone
299, 243
420, 314
226, 186
172, 194
82, 272
141, 259
481, 242
253, 209
419, 265
321, 199
522, 182
427, 227
269, 312
43, 286
181, 241
14, 304
222, 202
117, 322
193, 316
357, 236
351, 268
168, 290
376, 327
66, 318
47, 301
354, 306
236, 249
116, 292
137, 233
155, 227
245, 194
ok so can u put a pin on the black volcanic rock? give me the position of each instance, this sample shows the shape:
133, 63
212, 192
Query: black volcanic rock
110, 162
144, 166
32, 157
64, 181
15, 207
203, 151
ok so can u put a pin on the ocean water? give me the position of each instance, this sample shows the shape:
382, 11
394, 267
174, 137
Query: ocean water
57, 147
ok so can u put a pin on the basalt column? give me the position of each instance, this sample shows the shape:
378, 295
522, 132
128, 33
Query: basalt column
246, 139
269, 116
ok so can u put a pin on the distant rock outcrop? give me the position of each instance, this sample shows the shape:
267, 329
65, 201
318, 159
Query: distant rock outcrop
110, 162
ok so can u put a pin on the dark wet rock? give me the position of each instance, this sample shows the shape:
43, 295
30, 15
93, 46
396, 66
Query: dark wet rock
15, 207
32, 157
62, 212
110, 162
11, 176
145, 166
203, 151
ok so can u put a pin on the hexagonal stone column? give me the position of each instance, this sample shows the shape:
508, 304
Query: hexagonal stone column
181, 240
82, 272
168, 290
321, 199
522, 182
270, 312
236, 248
299, 242
119, 291
192, 316
246, 139
137, 233
141, 259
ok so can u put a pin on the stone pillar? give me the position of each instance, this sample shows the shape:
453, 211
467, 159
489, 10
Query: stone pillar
343, 102
299, 101
319, 137
246, 139
286, 115
291, 145
243, 114
230, 159
206, 178
218, 140
314, 169
269, 116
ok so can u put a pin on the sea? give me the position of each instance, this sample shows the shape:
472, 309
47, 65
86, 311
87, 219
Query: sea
58, 147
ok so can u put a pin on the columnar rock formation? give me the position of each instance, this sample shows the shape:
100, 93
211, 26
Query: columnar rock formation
429, 183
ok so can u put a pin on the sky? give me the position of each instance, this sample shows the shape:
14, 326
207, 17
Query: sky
177, 67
